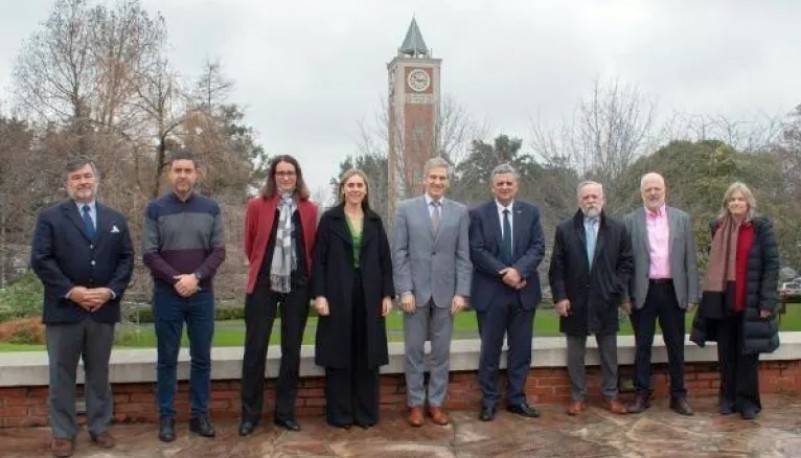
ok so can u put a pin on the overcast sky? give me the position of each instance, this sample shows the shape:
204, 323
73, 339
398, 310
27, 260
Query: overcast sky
308, 72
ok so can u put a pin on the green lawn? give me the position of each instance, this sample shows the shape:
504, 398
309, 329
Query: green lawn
232, 334
5, 346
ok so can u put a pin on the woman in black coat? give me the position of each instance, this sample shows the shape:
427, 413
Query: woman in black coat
738, 305
352, 287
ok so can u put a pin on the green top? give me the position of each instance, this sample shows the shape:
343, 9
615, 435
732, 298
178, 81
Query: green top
356, 236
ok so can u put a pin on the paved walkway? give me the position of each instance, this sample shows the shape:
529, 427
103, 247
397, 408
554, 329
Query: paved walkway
597, 433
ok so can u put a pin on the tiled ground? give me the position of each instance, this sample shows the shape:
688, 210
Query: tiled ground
597, 433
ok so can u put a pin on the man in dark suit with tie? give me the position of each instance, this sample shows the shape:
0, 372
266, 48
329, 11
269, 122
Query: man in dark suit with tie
506, 246
590, 268
664, 285
82, 253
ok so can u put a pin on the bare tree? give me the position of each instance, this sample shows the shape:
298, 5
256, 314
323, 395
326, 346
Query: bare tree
127, 44
454, 130
748, 134
82, 69
162, 106
605, 134
16, 172
212, 88
55, 72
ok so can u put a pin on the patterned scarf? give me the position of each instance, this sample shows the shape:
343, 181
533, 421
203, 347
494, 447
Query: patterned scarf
284, 257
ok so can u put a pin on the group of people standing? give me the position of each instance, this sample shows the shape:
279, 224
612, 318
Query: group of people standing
439, 256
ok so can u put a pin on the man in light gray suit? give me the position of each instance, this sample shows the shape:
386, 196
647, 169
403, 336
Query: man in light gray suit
664, 286
432, 270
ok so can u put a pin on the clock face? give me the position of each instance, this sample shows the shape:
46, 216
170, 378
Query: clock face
418, 80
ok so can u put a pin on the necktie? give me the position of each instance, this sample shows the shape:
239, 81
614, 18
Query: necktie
592, 236
87, 222
506, 241
435, 215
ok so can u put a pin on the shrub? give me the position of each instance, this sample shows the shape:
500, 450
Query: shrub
22, 331
24, 336
145, 314
22, 299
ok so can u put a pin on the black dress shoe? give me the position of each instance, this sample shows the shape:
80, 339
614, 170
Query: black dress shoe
639, 404
749, 413
290, 425
524, 410
202, 426
343, 426
726, 408
487, 414
167, 429
246, 428
680, 406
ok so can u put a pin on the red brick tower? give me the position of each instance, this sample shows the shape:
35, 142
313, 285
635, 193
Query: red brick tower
414, 95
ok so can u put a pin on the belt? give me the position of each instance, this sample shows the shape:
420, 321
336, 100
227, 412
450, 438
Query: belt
660, 281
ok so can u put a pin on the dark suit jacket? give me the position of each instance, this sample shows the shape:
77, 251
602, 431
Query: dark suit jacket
487, 288
333, 277
63, 257
595, 293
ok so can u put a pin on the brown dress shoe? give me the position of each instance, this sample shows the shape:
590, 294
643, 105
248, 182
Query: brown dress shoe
438, 416
416, 416
61, 448
615, 406
103, 439
576, 407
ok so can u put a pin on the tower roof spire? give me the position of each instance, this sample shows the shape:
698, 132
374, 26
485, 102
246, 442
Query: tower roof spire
413, 45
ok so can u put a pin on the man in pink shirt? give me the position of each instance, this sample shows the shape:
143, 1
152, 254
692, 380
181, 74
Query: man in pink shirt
664, 286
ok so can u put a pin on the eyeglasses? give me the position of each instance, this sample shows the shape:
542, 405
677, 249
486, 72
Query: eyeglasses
285, 173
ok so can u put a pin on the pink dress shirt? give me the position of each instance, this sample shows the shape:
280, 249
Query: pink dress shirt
658, 243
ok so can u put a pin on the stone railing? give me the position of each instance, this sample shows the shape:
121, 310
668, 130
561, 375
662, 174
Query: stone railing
24, 377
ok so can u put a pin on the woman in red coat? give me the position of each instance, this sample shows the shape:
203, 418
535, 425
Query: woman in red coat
280, 227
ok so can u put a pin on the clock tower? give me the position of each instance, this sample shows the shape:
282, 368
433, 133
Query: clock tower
414, 95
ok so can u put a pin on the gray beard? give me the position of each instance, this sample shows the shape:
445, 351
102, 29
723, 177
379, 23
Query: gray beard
592, 213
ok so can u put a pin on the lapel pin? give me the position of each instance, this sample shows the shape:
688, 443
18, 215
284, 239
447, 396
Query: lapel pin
114, 229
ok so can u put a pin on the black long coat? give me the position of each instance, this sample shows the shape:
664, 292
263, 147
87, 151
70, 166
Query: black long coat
760, 335
594, 294
333, 276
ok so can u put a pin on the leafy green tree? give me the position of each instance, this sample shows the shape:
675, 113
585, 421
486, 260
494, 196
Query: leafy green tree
697, 175
471, 181
376, 168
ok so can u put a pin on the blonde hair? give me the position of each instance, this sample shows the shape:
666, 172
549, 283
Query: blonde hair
347, 176
740, 187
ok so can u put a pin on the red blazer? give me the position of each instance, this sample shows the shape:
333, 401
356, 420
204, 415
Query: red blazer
259, 219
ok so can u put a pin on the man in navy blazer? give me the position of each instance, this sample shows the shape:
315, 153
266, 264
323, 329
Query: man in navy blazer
506, 247
82, 252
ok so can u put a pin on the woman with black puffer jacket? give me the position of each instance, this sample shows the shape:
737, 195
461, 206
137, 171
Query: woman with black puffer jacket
739, 302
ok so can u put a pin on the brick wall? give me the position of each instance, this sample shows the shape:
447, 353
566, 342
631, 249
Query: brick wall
134, 402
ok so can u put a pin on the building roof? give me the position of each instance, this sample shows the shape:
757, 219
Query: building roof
413, 45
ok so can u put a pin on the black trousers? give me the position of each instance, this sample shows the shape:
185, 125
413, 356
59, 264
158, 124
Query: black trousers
739, 373
352, 393
260, 309
660, 304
